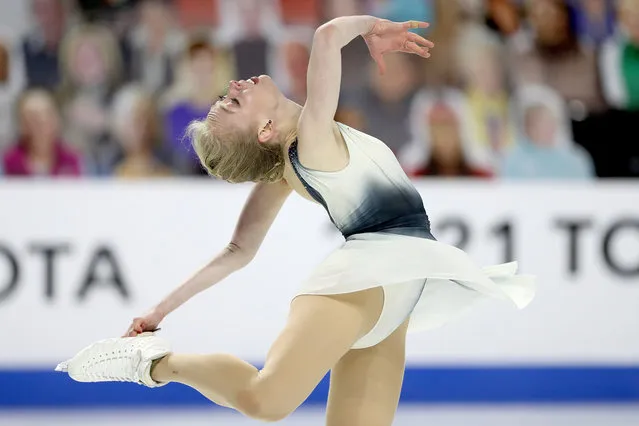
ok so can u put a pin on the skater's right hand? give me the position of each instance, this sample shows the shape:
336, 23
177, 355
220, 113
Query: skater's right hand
147, 322
386, 36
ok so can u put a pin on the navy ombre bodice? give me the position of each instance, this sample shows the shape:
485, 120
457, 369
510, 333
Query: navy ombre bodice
371, 194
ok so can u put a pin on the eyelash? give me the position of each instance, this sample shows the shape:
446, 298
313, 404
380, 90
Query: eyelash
221, 98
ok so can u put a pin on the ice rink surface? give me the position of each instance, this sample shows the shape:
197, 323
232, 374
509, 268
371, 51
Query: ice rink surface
621, 415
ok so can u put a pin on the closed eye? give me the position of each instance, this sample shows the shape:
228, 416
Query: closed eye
234, 100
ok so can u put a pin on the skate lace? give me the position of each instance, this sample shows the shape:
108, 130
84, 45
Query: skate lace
120, 364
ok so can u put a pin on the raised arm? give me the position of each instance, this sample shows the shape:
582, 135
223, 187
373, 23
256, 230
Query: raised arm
324, 74
258, 214
325, 65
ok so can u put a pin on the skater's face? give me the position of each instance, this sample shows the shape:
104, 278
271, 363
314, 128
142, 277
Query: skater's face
240, 139
248, 107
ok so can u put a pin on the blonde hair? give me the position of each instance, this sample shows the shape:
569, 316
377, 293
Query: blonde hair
236, 157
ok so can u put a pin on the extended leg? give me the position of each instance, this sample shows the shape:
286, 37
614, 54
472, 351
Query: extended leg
319, 331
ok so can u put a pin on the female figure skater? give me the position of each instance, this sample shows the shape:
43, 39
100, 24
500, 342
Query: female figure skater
352, 315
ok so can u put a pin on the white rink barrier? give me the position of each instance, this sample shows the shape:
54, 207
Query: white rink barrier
78, 260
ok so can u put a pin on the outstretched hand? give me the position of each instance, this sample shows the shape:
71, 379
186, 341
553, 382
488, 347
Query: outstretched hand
387, 36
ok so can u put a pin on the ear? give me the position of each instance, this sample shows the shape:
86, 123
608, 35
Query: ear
266, 133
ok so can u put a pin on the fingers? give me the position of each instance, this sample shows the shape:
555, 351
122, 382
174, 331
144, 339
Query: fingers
137, 327
416, 38
414, 24
141, 325
412, 47
386, 27
129, 333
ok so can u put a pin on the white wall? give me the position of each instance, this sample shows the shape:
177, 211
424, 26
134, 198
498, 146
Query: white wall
158, 234
152, 235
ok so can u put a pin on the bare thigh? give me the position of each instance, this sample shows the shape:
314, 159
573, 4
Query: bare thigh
319, 331
366, 383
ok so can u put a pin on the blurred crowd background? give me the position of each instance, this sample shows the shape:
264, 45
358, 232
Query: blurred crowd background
515, 89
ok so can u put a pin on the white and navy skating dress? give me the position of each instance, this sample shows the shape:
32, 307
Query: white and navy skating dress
389, 244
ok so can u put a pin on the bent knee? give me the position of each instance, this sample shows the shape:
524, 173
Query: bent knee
262, 405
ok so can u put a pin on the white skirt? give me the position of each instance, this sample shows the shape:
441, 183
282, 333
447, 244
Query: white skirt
454, 281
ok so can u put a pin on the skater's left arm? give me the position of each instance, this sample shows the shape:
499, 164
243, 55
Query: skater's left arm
257, 216
260, 210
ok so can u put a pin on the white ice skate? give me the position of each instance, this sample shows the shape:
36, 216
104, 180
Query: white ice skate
126, 359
